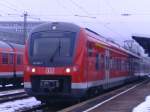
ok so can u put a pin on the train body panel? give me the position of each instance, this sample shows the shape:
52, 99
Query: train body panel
8, 59
6, 70
63, 59
18, 59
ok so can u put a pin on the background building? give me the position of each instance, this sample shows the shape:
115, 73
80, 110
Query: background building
13, 31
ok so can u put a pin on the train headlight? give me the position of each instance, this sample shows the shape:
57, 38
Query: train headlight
33, 70
68, 70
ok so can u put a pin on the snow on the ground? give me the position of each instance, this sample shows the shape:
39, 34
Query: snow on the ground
144, 106
19, 105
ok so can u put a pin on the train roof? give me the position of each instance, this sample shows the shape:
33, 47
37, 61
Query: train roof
5, 47
62, 26
109, 43
10, 47
17, 46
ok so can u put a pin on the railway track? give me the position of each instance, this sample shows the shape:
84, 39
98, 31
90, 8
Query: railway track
10, 95
17, 100
10, 87
75, 107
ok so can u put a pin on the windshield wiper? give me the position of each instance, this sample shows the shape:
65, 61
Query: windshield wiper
55, 52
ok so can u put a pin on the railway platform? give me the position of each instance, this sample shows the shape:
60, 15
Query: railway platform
120, 101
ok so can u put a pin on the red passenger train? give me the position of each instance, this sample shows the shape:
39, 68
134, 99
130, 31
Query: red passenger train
11, 63
65, 60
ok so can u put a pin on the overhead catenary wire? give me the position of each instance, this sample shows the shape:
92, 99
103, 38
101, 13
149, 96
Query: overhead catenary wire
110, 6
19, 9
3, 12
79, 7
64, 7
86, 12
9, 7
113, 31
22, 15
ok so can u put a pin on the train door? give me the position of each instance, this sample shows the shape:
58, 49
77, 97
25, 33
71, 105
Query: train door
90, 65
107, 68
87, 65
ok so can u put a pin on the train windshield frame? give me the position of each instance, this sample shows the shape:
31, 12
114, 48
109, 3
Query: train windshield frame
52, 48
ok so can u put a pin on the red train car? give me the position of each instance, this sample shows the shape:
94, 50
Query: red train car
11, 63
65, 60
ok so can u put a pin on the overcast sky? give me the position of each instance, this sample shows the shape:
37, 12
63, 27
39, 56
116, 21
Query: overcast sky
116, 19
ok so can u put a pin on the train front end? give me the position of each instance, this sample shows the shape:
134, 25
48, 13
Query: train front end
52, 63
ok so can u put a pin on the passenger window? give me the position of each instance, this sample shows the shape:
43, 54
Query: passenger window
111, 63
11, 59
19, 59
102, 61
90, 52
97, 65
119, 64
89, 48
114, 64
4, 58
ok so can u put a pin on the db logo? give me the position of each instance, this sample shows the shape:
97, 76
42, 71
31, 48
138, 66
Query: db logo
50, 70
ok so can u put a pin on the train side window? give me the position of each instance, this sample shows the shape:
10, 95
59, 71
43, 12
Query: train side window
90, 52
89, 49
119, 64
19, 59
102, 61
111, 63
4, 58
97, 65
11, 59
116, 64
122, 65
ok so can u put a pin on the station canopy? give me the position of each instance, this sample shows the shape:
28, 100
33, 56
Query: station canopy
144, 42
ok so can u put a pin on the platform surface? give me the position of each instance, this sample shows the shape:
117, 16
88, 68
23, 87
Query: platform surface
125, 102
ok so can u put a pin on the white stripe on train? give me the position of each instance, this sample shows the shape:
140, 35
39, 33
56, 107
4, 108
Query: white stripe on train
10, 74
85, 85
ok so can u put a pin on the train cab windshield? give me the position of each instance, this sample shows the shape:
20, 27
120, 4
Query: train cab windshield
52, 48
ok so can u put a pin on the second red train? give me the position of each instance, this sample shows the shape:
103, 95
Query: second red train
11, 63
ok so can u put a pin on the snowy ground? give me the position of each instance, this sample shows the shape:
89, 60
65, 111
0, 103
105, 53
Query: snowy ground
18, 105
144, 106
